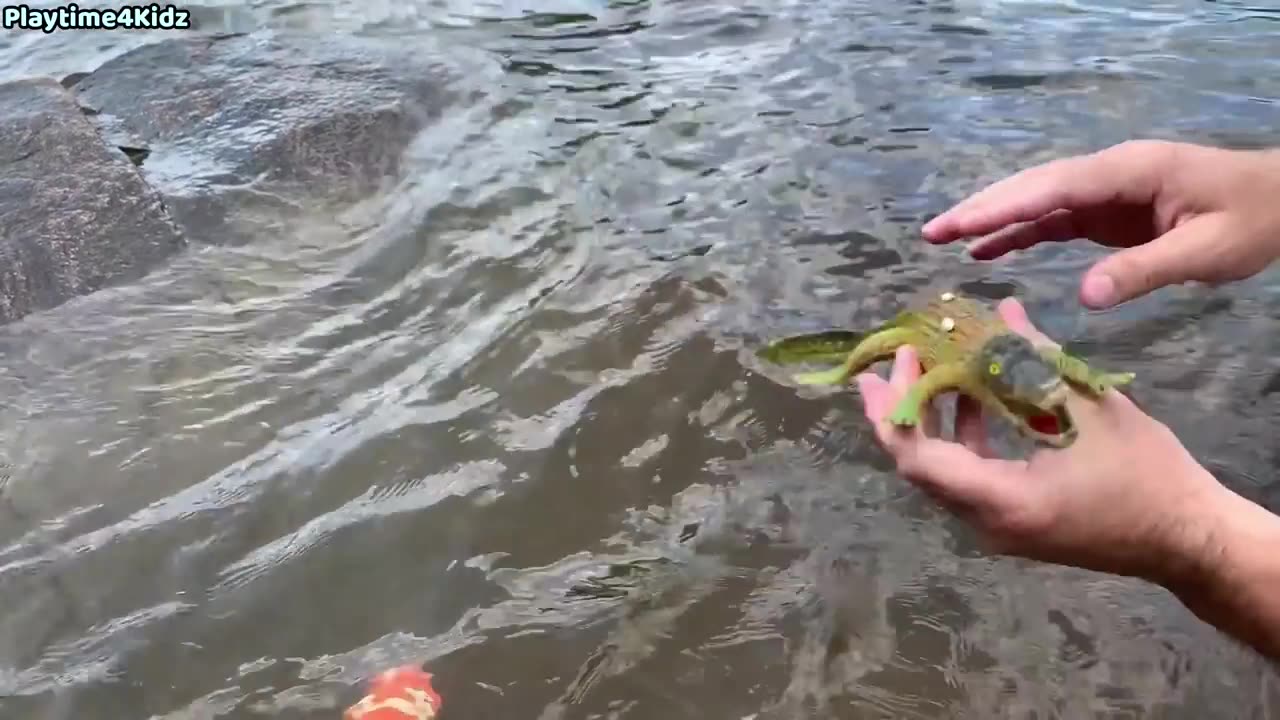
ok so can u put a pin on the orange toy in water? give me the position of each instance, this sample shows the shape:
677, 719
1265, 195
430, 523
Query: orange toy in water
402, 693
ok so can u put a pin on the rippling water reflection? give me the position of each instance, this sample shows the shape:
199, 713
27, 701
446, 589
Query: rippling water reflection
403, 431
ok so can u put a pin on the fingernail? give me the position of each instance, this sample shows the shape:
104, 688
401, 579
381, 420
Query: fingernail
1099, 290
931, 228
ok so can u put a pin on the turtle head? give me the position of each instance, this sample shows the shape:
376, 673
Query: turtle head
1030, 389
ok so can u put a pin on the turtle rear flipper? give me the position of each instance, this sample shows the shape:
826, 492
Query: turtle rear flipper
838, 375
871, 348
828, 346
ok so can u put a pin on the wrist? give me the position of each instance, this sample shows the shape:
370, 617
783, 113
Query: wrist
1194, 536
1244, 545
1209, 533
1226, 566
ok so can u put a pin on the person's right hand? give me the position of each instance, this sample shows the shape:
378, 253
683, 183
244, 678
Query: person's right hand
1182, 213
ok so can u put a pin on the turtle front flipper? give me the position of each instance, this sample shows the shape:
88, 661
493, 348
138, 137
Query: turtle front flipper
877, 346
1079, 372
939, 379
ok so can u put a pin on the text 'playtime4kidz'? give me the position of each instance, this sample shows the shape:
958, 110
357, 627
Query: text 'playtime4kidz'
72, 17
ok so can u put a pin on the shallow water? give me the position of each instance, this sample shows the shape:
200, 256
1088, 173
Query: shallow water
401, 431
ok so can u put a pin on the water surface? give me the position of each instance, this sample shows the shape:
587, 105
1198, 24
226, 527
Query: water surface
401, 431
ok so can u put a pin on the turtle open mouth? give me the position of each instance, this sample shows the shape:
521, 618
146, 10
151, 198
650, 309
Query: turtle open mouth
1049, 422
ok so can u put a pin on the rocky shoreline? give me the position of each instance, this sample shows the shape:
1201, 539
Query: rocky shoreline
108, 173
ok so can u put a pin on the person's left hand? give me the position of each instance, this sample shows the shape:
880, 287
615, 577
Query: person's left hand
881, 396
1126, 497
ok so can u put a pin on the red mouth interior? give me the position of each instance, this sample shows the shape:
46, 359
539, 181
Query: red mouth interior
1047, 424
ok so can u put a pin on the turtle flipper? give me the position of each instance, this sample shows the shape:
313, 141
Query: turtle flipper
879, 345
831, 376
826, 346
1080, 373
936, 381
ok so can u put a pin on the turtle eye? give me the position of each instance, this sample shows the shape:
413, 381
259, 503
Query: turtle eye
994, 368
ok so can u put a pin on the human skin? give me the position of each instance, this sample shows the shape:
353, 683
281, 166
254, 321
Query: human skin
1127, 498
1177, 212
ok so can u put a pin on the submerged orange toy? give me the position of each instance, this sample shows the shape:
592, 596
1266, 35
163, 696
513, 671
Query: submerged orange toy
402, 693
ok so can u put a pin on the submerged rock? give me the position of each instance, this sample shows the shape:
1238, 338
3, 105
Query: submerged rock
232, 121
105, 174
75, 215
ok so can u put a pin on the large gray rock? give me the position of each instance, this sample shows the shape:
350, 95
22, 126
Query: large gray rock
75, 215
237, 120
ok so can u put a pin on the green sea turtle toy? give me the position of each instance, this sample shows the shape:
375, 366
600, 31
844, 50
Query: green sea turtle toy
964, 346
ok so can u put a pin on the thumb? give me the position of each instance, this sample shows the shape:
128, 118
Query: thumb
1190, 251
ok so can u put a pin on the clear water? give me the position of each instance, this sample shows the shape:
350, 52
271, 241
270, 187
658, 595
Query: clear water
399, 432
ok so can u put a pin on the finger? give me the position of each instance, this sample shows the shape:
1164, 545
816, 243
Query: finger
952, 505
906, 370
1126, 173
1015, 316
877, 396
1023, 196
1057, 226
931, 423
1191, 251
950, 470
971, 432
